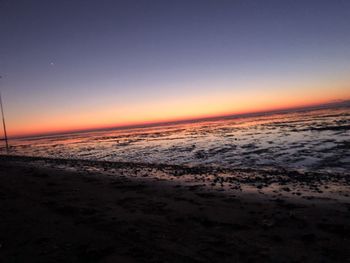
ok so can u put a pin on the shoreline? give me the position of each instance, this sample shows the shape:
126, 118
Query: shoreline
76, 211
272, 182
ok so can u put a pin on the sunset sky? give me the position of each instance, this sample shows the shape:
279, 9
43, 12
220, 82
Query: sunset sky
80, 64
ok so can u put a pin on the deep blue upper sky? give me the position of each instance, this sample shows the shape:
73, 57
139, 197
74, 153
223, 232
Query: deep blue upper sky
69, 56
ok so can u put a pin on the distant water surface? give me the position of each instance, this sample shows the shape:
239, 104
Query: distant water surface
317, 140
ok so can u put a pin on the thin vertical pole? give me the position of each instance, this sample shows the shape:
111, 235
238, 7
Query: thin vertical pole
4, 124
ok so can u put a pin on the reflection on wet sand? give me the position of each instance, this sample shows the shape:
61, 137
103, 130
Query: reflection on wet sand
273, 188
313, 140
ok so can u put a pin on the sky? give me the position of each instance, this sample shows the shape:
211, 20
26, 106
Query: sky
82, 64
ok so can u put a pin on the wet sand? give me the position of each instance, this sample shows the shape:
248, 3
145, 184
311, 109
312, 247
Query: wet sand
309, 140
80, 211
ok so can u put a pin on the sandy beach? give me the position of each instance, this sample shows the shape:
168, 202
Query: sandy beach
194, 131
80, 211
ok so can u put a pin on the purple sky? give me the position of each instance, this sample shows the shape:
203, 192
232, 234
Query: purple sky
88, 59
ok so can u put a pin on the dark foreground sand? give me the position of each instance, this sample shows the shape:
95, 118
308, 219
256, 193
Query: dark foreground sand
55, 212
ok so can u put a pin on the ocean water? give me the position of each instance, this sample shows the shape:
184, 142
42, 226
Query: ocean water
307, 140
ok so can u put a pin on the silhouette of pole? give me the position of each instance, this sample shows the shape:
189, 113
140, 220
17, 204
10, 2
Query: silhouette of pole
4, 124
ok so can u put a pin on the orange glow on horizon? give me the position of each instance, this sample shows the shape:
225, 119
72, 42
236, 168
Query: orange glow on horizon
178, 108
64, 125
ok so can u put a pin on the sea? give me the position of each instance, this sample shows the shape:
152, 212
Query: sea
312, 139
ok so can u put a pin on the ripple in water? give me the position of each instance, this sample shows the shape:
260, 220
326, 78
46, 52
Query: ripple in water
317, 140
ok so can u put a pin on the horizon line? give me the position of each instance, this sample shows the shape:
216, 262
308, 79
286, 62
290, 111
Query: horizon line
182, 121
